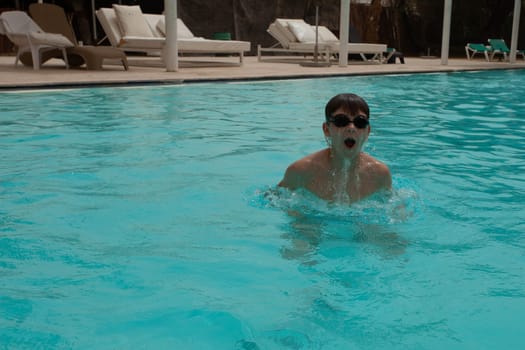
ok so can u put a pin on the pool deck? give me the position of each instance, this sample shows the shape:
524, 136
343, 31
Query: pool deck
148, 70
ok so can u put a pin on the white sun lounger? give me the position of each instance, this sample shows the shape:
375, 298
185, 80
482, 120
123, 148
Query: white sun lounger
29, 37
297, 36
154, 42
288, 43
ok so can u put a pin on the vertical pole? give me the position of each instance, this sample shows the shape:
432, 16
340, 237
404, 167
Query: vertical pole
170, 52
93, 20
515, 31
447, 15
316, 48
343, 32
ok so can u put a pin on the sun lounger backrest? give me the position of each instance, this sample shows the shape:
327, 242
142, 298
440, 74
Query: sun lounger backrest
183, 32
499, 45
288, 31
52, 19
280, 30
3, 31
326, 35
19, 22
282, 25
153, 22
109, 22
274, 31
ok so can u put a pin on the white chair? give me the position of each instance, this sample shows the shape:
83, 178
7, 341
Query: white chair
287, 31
297, 36
29, 37
132, 30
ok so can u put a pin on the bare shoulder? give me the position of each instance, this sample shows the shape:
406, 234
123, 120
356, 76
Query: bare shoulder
378, 171
300, 172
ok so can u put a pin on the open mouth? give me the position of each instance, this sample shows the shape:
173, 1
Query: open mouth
350, 142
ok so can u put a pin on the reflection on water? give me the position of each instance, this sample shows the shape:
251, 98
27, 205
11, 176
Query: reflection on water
306, 235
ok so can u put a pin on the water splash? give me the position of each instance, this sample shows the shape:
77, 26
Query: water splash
385, 207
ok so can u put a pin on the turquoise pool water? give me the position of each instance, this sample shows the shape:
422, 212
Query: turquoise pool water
147, 218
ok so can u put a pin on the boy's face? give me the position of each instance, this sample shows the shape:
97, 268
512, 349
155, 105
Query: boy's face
348, 132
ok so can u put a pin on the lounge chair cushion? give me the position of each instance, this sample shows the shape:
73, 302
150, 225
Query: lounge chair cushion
161, 26
282, 26
325, 35
132, 22
277, 33
478, 47
303, 32
153, 22
183, 32
50, 39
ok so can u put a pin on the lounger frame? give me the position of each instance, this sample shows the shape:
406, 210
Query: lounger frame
471, 49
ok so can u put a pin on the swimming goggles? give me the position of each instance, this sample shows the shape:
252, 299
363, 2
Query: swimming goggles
342, 120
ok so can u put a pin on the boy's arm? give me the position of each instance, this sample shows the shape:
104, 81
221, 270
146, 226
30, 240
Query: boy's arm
384, 180
293, 177
387, 179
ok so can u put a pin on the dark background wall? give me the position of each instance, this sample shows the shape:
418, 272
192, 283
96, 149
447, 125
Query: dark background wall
412, 26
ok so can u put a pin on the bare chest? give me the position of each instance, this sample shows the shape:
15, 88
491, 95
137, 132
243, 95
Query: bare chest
342, 187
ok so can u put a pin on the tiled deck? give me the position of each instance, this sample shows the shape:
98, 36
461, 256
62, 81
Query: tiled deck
148, 70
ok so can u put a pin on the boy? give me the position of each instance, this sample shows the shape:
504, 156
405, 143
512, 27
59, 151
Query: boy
341, 172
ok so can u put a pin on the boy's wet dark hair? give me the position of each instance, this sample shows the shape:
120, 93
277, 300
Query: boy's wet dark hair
349, 102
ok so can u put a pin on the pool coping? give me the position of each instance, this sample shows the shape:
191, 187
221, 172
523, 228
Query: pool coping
52, 76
